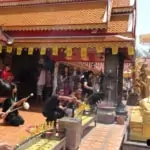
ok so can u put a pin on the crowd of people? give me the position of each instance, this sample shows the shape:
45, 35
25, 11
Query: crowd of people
68, 81
71, 88
71, 91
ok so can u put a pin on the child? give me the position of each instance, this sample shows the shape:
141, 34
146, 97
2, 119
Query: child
12, 118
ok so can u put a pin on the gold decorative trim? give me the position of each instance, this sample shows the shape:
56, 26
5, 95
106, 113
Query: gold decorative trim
68, 39
57, 28
75, 45
55, 47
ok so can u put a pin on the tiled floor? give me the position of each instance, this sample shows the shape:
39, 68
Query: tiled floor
102, 137
14, 135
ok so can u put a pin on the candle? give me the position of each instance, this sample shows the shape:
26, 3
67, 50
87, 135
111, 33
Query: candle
44, 126
52, 124
49, 126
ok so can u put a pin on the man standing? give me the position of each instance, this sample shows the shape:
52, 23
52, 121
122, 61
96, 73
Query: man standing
87, 84
48, 84
40, 84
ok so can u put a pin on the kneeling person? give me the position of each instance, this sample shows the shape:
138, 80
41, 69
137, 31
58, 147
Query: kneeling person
71, 107
12, 118
52, 110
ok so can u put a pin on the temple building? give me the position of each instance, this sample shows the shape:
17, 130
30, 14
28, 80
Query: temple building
145, 39
68, 30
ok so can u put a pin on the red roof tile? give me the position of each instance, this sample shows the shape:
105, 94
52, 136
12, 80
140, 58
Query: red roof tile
121, 3
77, 14
118, 24
33, 2
145, 38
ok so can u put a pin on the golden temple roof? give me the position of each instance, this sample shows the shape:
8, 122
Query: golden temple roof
121, 3
68, 16
118, 24
123, 6
116, 3
77, 16
4, 3
145, 39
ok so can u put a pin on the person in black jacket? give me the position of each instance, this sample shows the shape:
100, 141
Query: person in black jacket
87, 84
5, 92
52, 110
101, 80
12, 118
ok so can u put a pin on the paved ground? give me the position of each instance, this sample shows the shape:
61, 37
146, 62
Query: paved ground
104, 137
14, 135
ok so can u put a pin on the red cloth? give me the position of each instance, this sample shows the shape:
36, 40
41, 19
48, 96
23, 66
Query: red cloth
7, 75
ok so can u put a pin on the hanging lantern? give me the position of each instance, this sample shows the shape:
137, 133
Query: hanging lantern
9, 49
99, 49
131, 51
114, 50
1, 48
43, 51
30, 51
69, 52
84, 53
55, 51
19, 51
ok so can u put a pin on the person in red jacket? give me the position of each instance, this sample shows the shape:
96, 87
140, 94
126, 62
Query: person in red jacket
7, 74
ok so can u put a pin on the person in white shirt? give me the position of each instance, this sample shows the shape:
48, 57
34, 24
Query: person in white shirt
40, 84
48, 84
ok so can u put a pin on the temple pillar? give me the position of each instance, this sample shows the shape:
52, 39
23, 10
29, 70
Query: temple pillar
120, 77
111, 75
55, 78
120, 109
106, 112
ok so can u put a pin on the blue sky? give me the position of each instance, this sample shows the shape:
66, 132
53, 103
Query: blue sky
143, 26
143, 17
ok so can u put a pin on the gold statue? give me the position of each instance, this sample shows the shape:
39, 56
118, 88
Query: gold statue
139, 120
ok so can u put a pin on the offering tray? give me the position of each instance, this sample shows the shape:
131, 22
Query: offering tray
48, 140
88, 112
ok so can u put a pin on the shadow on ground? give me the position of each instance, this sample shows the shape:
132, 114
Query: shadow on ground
87, 130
